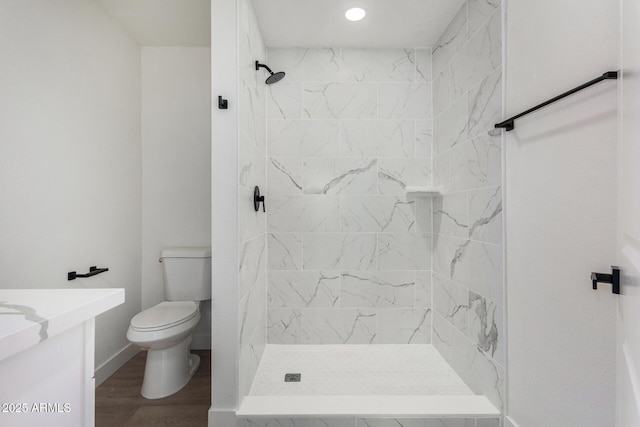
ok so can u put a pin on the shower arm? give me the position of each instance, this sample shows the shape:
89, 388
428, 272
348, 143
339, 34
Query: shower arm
258, 65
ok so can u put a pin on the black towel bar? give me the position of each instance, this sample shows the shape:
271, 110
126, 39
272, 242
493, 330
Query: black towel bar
508, 124
72, 275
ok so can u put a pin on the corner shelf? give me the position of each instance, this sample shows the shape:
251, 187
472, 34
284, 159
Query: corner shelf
423, 191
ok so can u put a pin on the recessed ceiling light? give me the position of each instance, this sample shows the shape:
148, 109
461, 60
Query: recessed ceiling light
355, 14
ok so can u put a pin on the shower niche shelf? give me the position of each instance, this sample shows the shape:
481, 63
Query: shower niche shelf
416, 191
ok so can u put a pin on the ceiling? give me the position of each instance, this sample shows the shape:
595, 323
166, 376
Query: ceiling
291, 23
321, 23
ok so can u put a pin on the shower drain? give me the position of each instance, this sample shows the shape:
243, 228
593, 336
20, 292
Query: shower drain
292, 378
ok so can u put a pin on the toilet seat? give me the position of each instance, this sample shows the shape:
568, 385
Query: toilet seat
165, 315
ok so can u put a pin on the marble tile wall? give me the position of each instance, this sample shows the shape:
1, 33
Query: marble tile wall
252, 236
468, 327
349, 256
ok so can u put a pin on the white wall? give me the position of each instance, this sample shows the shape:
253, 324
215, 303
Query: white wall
560, 198
224, 214
176, 160
70, 154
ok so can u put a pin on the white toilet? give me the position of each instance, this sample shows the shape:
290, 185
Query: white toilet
165, 329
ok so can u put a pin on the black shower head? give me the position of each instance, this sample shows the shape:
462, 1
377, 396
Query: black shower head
274, 77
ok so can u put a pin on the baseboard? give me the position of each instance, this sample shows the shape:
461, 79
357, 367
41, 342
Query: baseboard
114, 363
200, 342
222, 418
508, 422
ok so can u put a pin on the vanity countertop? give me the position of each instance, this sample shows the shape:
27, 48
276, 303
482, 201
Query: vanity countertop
30, 316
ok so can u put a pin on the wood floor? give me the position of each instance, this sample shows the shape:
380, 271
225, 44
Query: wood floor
119, 403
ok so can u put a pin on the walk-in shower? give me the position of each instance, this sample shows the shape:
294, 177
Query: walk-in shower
384, 303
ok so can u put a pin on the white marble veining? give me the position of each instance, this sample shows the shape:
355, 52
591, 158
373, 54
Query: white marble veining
441, 90
380, 138
424, 138
303, 289
481, 55
480, 11
485, 326
404, 251
452, 302
404, 101
485, 104
284, 176
377, 213
252, 309
284, 100
485, 215
285, 251
251, 263
423, 289
394, 174
475, 265
301, 64
377, 289
30, 316
378, 65
339, 251
340, 176
251, 167
340, 100
450, 128
475, 164
451, 40
404, 326
423, 65
318, 213
284, 326
339, 326
482, 373
451, 215
308, 138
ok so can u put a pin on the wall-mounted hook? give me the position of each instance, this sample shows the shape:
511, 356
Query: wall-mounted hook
223, 104
257, 199
613, 279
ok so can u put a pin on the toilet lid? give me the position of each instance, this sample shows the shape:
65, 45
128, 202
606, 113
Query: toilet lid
165, 315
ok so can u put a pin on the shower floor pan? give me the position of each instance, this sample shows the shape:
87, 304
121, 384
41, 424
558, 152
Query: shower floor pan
368, 381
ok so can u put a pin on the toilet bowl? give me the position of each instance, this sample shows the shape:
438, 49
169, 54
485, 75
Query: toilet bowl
165, 332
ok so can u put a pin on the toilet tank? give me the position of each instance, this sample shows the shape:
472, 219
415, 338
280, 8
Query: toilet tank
186, 273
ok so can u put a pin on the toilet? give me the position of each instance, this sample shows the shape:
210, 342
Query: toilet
165, 330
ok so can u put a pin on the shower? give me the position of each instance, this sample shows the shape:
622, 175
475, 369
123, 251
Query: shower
274, 77
352, 126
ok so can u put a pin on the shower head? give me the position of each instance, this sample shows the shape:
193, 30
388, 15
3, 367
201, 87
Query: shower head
274, 77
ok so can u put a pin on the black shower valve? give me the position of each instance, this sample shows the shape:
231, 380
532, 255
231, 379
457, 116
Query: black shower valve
257, 199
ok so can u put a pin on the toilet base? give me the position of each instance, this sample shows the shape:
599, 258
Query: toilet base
168, 370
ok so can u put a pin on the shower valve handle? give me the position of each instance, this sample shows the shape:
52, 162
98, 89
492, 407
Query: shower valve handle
257, 199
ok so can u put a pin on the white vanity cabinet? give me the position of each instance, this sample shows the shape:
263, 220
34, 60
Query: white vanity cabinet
47, 347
